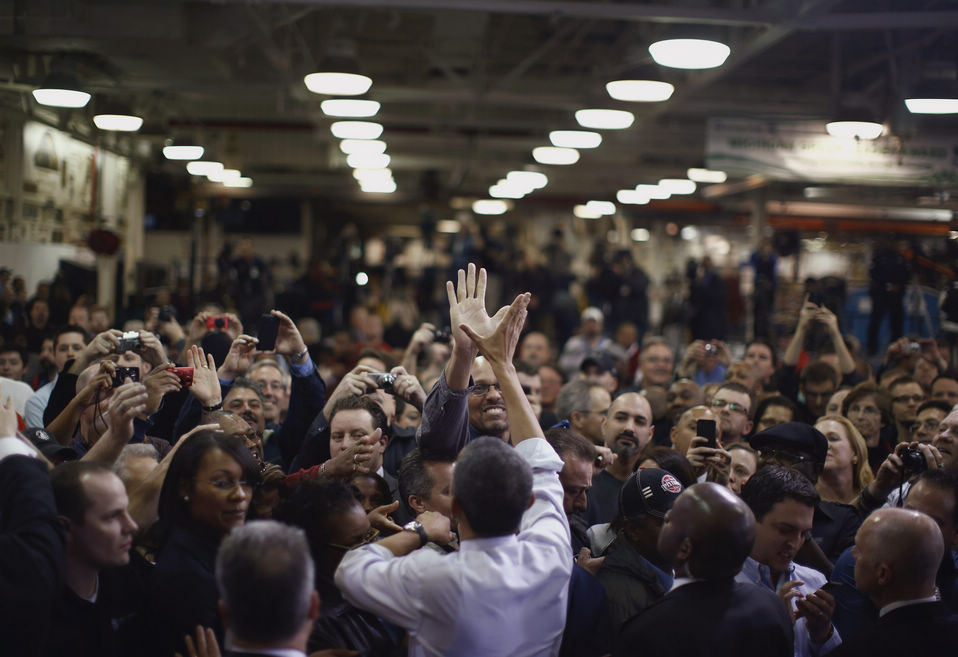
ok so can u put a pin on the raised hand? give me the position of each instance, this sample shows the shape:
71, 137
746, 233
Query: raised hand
355, 457
206, 384
379, 518
467, 306
128, 401
152, 351
408, 388
239, 358
289, 341
498, 345
159, 382
8, 419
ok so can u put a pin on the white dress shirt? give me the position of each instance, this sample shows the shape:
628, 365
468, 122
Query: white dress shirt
504, 595
34, 407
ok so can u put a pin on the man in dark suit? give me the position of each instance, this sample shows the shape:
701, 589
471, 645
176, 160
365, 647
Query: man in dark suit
897, 554
707, 535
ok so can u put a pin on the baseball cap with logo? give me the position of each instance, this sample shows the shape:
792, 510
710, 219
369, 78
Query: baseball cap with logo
648, 491
44, 441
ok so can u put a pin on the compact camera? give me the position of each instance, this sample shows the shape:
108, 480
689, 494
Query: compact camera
913, 461
129, 341
384, 380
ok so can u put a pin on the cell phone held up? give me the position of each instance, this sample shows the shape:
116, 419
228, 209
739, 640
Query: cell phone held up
706, 429
267, 328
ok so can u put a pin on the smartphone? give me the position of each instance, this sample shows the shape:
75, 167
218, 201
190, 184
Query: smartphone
816, 297
266, 331
706, 429
184, 374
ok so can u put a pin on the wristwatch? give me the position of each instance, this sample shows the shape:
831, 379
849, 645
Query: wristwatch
416, 526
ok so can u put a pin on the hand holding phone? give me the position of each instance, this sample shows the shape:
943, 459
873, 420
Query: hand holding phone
267, 329
706, 429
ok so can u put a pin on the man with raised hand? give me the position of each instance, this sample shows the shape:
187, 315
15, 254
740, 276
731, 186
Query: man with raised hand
505, 591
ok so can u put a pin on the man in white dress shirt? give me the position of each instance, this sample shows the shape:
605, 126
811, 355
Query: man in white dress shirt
505, 592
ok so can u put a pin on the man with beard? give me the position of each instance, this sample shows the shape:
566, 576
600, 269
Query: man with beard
733, 405
628, 430
681, 396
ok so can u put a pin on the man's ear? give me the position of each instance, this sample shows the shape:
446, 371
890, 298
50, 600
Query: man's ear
672, 436
415, 503
67, 526
748, 428
224, 615
574, 419
532, 499
685, 550
313, 606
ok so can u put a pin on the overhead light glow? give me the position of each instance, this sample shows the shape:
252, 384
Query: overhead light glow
338, 84
224, 175
677, 185
243, 181
631, 197
602, 207
118, 122
71, 98
932, 105
490, 206
553, 155
585, 212
855, 129
178, 152
604, 119
362, 278
204, 167
530, 180
706, 176
377, 186
368, 160
448, 226
689, 53
372, 174
356, 130
350, 146
575, 138
654, 192
640, 91
500, 190
349, 107
640, 234
689, 233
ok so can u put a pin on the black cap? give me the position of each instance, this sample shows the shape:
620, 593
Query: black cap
44, 441
648, 491
599, 359
796, 437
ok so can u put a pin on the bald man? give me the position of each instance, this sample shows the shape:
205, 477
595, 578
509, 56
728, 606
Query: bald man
897, 553
706, 536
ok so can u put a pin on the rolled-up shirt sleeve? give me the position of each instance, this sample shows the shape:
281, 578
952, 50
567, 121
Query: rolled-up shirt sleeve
444, 429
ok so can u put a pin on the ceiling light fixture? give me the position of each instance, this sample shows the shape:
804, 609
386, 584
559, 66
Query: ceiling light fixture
490, 207
584, 212
855, 129
224, 175
602, 207
938, 105
641, 234
604, 119
350, 146
654, 192
706, 176
349, 107
689, 53
631, 197
339, 72
500, 190
118, 122
937, 93
677, 185
61, 89
575, 138
239, 182
356, 130
378, 186
553, 155
182, 149
372, 174
640, 91
204, 167
531, 180
368, 160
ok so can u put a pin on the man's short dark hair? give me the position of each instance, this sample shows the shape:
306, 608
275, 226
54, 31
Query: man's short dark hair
776, 400
900, 381
68, 490
772, 484
21, 352
819, 372
765, 344
69, 328
362, 403
492, 486
522, 367
378, 355
947, 374
414, 477
568, 442
735, 386
249, 384
313, 507
943, 481
869, 389
574, 396
265, 577
940, 404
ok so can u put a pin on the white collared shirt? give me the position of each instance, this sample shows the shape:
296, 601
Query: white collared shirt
682, 581
892, 606
502, 595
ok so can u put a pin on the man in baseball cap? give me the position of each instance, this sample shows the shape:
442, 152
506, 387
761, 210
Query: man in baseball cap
44, 441
634, 573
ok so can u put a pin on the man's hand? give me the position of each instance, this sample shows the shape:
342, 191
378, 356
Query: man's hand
239, 358
808, 314
713, 459
379, 518
102, 345
498, 346
817, 609
152, 351
407, 387
467, 306
585, 560
198, 327
8, 419
354, 458
608, 458
289, 341
128, 401
205, 644
206, 385
159, 382
437, 527
828, 319
103, 380
354, 383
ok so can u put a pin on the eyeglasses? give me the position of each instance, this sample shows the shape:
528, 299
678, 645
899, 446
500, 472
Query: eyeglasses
368, 538
732, 406
782, 456
904, 399
482, 389
227, 485
604, 411
928, 425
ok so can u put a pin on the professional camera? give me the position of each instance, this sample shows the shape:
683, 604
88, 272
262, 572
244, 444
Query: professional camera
913, 461
384, 380
129, 341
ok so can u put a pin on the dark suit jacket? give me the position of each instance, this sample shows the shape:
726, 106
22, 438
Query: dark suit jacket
928, 629
721, 618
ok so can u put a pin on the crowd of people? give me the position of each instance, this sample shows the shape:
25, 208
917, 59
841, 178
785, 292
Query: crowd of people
483, 488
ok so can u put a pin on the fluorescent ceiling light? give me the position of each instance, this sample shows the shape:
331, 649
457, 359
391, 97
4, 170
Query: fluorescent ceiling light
585, 212
602, 207
689, 53
553, 155
689, 233
61, 97
182, 152
855, 129
378, 186
350, 146
224, 175
932, 105
118, 122
204, 168
356, 130
239, 182
654, 192
530, 180
349, 107
448, 226
631, 197
362, 278
500, 190
338, 84
372, 174
575, 138
641, 234
368, 160
604, 119
490, 206
677, 185
706, 176
640, 91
